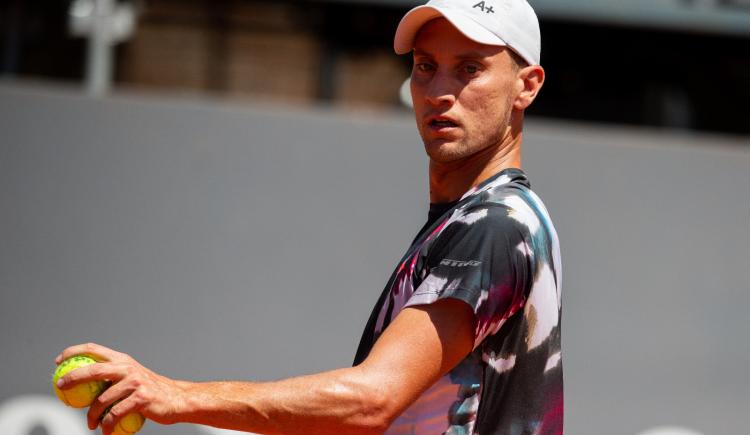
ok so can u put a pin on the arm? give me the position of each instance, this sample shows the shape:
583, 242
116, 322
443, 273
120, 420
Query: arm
422, 344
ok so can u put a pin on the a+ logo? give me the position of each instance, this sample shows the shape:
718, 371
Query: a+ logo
486, 9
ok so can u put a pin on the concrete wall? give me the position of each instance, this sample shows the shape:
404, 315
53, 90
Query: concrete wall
218, 241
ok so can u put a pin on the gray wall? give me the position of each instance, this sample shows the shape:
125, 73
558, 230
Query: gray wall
220, 241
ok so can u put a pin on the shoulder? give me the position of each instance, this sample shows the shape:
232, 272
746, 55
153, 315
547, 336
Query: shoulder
509, 213
480, 226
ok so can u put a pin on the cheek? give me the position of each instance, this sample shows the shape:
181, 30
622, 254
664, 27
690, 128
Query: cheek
416, 99
416, 90
489, 110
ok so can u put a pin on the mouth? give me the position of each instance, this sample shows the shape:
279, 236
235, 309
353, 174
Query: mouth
441, 123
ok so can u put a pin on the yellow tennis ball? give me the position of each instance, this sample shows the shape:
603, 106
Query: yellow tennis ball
129, 424
81, 395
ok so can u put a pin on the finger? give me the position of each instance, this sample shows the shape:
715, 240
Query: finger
96, 351
120, 410
93, 372
110, 396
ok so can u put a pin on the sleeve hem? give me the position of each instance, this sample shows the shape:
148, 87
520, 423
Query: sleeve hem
430, 297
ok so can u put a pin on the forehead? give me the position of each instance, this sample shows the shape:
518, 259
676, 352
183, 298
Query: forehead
440, 37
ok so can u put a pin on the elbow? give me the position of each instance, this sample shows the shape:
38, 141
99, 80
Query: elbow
371, 406
374, 413
377, 415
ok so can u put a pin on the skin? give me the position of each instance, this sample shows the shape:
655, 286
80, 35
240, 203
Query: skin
484, 92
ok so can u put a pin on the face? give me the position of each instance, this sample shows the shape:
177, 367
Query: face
463, 92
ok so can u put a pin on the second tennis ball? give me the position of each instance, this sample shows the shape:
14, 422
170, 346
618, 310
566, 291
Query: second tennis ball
129, 424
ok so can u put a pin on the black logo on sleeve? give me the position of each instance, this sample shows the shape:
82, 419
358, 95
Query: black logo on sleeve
458, 263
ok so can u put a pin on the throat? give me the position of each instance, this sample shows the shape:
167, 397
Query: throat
450, 181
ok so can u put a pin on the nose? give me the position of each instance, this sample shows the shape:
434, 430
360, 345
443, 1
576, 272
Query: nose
439, 91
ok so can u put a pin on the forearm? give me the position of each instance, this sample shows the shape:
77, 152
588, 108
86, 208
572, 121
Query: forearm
339, 401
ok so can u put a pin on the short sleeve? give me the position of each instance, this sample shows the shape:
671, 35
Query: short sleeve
482, 258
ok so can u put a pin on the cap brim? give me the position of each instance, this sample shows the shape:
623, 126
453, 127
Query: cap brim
409, 26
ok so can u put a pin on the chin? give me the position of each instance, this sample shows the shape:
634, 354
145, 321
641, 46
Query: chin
443, 153
444, 150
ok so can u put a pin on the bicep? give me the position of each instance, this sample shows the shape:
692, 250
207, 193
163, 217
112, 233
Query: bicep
422, 344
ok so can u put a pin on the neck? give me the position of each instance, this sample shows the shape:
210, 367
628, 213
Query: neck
449, 181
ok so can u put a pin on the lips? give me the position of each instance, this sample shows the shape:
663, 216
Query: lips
439, 123
436, 123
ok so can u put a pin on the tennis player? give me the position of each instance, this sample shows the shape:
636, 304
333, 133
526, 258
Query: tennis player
465, 337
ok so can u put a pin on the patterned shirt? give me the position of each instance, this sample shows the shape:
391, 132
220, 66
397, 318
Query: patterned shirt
496, 250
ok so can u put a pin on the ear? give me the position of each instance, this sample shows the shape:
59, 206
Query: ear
530, 81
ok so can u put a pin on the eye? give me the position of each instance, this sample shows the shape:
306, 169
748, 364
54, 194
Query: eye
471, 68
423, 67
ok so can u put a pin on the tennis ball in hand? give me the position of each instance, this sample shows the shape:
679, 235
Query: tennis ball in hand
129, 424
81, 395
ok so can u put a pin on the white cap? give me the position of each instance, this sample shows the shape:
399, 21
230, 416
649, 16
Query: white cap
510, 23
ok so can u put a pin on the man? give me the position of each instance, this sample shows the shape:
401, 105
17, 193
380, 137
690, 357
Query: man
465, 338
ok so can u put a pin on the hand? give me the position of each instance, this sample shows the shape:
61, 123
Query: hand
138, 389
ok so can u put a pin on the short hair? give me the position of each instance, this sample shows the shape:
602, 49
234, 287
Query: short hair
518, 61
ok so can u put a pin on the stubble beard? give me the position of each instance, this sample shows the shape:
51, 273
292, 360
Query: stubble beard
445, 151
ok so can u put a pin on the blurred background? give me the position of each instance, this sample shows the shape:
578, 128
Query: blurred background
221, 189
665, 63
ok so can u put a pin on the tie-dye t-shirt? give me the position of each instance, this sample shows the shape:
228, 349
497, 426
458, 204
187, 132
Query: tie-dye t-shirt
495, 249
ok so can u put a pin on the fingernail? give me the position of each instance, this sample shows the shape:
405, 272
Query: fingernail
60, 383
57, 359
